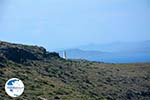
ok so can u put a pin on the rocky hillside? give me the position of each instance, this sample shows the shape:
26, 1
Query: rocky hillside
47, 76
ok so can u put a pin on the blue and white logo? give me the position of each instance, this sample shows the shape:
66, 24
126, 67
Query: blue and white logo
14, 87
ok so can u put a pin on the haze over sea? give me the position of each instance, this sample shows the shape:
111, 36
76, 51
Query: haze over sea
63, 24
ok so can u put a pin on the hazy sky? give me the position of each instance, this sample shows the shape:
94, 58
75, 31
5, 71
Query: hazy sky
69, 23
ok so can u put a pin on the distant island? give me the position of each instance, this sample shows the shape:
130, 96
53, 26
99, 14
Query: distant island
118, 52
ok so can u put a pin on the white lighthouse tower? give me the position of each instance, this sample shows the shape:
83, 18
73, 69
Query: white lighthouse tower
64, 55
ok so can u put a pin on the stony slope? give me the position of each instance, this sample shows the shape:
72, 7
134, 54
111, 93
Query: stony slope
48, 76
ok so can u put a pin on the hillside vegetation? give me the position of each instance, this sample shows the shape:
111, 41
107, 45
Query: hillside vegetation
47, 76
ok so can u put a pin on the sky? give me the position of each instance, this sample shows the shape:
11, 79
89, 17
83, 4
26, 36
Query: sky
69, 23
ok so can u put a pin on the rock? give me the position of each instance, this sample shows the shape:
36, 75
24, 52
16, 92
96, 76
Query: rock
17, 55
57, 98
22, 53
41, 98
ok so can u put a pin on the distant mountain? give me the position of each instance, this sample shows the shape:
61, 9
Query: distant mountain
119, 52
84, 54
143, 46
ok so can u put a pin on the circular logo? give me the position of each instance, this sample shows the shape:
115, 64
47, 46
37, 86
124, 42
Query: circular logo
14, 87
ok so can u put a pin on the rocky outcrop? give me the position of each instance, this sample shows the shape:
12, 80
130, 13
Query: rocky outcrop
21, 53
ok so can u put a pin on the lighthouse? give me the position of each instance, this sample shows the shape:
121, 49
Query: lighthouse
64, 55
